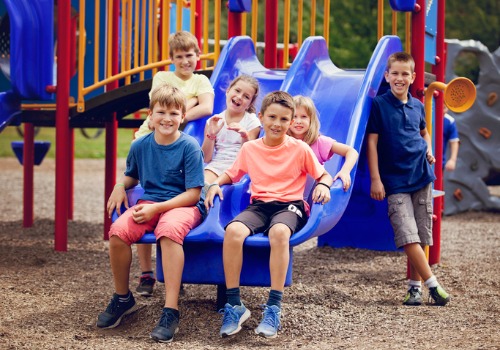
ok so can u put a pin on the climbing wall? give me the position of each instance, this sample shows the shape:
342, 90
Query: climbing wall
478, 164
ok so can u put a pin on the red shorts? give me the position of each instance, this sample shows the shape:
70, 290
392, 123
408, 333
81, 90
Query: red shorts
174, 224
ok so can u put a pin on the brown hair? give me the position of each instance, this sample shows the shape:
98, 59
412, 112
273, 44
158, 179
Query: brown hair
183, 41
401, 57
280, 97
168, 96
253, 83
307, 103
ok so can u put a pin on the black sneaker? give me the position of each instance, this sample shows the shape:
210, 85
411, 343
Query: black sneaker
167, 327
115, 311
413, 297
439, 296
145, 287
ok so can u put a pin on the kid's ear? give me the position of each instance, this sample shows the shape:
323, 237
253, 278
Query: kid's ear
386, 76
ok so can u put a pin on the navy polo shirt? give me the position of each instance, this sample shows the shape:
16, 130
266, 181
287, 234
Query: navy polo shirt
401, 149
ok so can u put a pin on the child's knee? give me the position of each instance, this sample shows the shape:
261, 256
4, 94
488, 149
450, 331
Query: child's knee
236, 231
279, 234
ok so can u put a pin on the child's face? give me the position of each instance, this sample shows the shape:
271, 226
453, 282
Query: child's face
400, 76
165, 121
301, 123
185, 63
276, 121
239, 97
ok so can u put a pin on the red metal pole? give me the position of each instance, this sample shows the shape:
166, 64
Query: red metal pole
28, 179
271, 35
439, 70
111, 126
234, 25
62, 125
418, 49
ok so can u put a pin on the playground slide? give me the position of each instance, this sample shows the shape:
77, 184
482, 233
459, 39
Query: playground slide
10, 107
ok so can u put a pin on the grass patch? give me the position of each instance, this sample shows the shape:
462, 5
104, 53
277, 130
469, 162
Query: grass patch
84, 147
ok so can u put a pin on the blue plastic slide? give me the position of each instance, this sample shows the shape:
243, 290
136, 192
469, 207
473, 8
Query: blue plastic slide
343, 99
10, 107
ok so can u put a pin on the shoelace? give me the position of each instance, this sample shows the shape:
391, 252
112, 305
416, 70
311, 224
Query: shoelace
229, 315
271, 317
167, 319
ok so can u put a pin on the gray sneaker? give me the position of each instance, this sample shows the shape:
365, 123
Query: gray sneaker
270, 324
145, 287
233, 318
413, 297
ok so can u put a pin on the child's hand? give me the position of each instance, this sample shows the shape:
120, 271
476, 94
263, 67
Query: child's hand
116, 199
377, 190
346, 179
321, 194
143, 212
210, 195
450, 165
430, 157
214, 126
237, 127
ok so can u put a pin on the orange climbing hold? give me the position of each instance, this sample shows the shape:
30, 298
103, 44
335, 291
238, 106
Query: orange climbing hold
485, 132
458, 194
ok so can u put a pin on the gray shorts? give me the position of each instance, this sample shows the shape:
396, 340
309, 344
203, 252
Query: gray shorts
260, 216
411, 216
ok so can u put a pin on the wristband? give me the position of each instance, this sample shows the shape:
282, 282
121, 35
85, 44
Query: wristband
324, 184
210, 137
212, 185
122, 185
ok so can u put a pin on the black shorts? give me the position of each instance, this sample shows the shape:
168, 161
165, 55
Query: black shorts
261, 216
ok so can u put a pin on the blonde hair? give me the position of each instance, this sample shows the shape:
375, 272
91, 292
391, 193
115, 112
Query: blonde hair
307, 103
253, 83
280, 97
168, 96
182, 41
401, 57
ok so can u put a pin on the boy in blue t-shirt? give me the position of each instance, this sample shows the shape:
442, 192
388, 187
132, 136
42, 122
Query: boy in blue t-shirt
400, 156
450, 136
169, 165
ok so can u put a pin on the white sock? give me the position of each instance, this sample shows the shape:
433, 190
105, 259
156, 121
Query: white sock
431, 282
413, 283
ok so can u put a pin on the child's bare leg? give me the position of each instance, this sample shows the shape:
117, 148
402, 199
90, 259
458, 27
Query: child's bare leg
144, 257
232, 252
419, 267
172, 259
279, 239
120, 257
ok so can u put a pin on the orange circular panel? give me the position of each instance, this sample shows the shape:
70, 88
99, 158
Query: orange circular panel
460, 94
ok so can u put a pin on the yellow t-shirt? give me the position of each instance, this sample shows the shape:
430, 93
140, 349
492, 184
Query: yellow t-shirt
196, 85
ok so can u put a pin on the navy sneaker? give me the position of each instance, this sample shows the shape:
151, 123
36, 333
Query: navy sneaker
270, 324
439, 296
233, 318
413, 297
166, 328
115, 311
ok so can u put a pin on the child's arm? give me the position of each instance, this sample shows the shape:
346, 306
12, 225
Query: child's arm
204, 107
452, 162
192, 102
245, 135
212, 128
214, 189
351, 156
321, 193
427, 138
377, 190
145, 212
119, 196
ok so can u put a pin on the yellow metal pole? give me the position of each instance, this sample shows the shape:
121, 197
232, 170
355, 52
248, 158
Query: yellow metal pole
255, 20
313, 18
81, 56
380, 19
326, 22
300, 13
286, 34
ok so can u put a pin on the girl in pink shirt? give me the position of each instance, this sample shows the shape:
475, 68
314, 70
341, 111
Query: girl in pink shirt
306, 126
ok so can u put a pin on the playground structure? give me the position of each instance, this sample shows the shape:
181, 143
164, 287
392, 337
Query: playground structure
112, 81
478, 163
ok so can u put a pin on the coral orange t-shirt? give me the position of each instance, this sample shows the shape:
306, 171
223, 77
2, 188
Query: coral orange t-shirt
276, 173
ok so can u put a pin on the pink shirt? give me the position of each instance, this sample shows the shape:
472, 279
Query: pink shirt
277, 173
322, 148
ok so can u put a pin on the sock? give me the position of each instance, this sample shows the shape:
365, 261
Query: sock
233, 296
275, 297
413, 283
174, 312
431, 282
147, 273
124, 298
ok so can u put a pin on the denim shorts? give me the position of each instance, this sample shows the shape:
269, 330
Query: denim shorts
411, 216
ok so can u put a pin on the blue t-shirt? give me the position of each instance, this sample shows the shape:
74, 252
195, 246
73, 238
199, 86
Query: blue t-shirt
401, 149
166, 171
450, 133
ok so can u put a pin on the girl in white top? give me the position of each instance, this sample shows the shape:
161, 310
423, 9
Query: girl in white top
227, 131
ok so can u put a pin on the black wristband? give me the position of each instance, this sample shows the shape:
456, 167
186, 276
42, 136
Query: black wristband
211, 185
324, 184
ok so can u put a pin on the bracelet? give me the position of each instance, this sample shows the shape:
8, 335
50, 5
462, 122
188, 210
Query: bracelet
212, 185
324, 184
123, 185
210, 137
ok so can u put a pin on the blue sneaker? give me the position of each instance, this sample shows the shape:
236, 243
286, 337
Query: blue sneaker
233, 318
270, 324
166, 328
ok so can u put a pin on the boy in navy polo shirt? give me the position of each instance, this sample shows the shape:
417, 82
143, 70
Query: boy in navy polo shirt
400, 158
